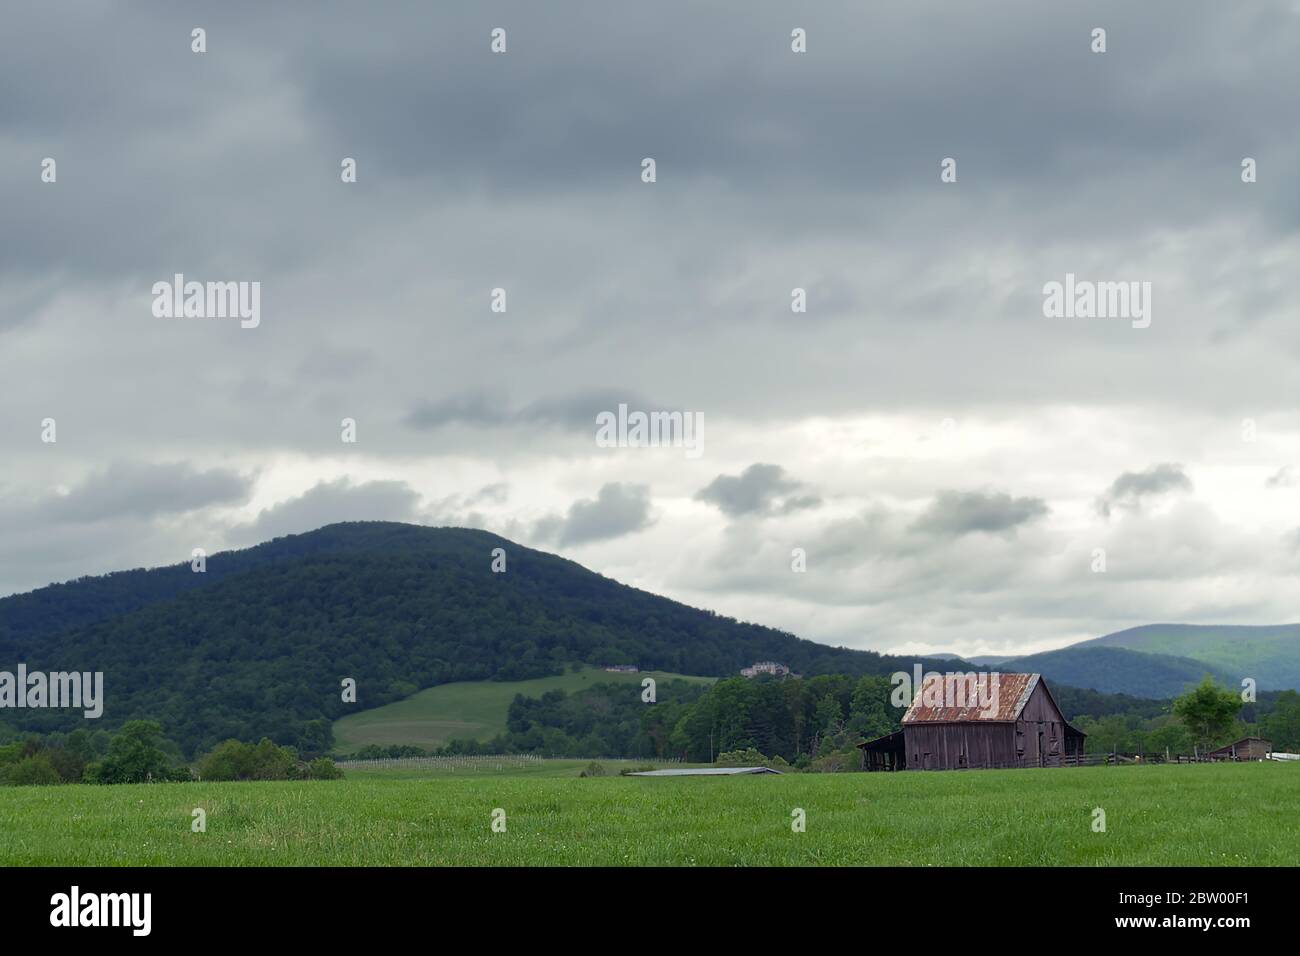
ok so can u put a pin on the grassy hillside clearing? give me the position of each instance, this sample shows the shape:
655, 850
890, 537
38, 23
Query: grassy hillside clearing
468, 709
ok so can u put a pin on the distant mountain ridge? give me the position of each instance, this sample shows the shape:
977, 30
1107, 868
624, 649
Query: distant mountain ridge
1270, 654
1160, 660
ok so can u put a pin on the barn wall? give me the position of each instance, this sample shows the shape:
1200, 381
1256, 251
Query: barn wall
958, 746
1244, 750
1256, 750
1040, 731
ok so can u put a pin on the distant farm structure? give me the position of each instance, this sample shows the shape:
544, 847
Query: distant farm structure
765, 667
1247, 748
622, 668
704, 772
969, 721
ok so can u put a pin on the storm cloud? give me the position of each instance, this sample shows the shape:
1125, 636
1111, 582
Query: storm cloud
1131, 489
955, 513
616, 510
922, 368
759, 489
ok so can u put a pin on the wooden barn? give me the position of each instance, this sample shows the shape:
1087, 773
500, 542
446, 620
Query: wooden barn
1247, 748
965, 721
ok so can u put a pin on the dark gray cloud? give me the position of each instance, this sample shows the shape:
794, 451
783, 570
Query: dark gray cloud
490, 410
956, 513
126, 489
520, 171
495, 493
1130, 490
759, 490
617, 509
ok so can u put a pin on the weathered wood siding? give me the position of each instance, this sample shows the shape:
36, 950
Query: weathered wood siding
959, 746
1040, 731
1038, 738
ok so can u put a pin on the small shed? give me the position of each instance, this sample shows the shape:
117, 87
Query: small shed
1247, 748
702, 772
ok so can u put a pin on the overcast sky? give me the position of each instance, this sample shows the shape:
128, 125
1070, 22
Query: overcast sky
949, 459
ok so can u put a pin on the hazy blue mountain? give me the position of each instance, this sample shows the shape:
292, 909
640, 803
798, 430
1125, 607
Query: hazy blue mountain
1117, 670
1268, 653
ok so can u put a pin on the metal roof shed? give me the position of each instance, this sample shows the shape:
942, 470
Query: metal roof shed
703, 772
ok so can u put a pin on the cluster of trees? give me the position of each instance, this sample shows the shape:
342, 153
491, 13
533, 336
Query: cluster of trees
1206, 717
136, 753
604, 720
233, 760
1280, 723
139, 753
813, 722
393, 751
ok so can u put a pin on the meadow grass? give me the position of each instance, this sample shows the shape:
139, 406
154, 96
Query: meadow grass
1168, 815
467, 710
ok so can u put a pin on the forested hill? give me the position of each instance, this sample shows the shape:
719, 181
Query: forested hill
259, 644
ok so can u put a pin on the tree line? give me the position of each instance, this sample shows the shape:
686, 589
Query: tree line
138, 752
816, 723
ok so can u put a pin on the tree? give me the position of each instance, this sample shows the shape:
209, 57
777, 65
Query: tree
870, 714
316, 739
1110, 734
1207, 711
1282, 725
323, 768
136, 755
1171, 736
36, 769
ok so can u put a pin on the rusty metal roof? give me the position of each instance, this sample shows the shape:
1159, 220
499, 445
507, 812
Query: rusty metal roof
953, 698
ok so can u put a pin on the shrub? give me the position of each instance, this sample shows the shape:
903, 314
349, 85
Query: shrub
233, 760
742, 758
137, 754
36, 769
322, 768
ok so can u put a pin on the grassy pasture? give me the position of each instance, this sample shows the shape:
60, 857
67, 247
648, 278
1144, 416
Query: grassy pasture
474, 710
1155, 815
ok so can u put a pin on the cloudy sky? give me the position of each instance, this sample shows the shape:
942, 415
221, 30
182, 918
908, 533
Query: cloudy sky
951, 462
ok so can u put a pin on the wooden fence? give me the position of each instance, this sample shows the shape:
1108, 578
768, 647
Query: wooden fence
1087, 760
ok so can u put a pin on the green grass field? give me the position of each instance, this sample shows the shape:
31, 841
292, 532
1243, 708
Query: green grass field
473, 710
1158, 815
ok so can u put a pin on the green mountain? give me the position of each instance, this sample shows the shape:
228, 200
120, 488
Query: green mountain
1270, 654
260, 643
1117, 670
